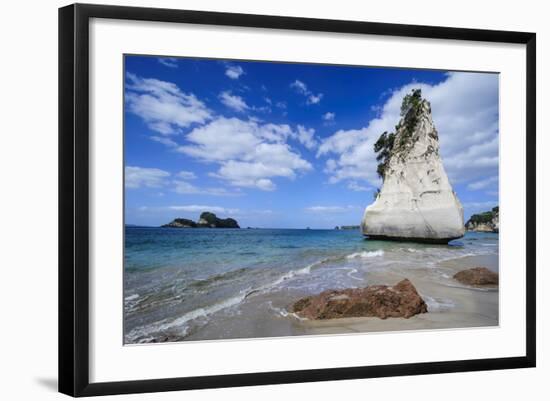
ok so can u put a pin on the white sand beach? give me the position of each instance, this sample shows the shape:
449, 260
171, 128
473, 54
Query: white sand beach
450, 303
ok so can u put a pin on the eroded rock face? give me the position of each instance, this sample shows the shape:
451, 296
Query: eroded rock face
416, 201
401, 300
477, 276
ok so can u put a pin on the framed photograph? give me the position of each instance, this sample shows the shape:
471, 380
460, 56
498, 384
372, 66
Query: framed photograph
251, 199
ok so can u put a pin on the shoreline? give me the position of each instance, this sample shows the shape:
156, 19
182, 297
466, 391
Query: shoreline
246, 289
451, 305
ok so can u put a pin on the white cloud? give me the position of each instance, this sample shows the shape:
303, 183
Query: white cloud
222, 139
329, 116
181, 186
263, 109
314, 99
474, 186
306, 136
331, 165
140, 177
203, 208
248, 153
265, 162
164, 140
186, 188
238, 104
481, 205
234, 71
171, 62
137, 177
354, 186
265, 184
186, 175
356, 159
234, 102
465, 113
301, 88
162, 105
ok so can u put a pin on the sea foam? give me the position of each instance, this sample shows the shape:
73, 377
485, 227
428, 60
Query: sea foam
180, 323
365, 254
437, 304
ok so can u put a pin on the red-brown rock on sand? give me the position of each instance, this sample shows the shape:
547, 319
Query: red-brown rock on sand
401, 300
477, 276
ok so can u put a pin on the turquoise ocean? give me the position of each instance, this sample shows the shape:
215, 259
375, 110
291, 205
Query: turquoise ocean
199, 284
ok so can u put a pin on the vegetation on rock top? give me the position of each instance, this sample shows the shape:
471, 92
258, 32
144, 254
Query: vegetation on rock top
485, 217
486, 221
385, 146
208, 219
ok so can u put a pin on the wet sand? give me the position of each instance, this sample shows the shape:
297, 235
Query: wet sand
450, 303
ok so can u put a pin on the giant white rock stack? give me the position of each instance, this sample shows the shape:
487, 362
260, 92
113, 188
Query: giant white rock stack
416, 201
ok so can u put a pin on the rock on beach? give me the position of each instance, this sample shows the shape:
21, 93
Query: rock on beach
400, 300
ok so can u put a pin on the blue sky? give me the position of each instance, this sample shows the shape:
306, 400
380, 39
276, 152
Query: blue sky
289, 145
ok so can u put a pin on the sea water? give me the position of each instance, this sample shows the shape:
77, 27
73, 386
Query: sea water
193, 284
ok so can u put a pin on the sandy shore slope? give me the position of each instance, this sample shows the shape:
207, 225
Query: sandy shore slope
450, 304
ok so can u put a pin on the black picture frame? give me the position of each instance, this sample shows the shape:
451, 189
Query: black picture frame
74, 198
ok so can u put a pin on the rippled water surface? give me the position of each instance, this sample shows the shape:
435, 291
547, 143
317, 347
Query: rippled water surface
181, 282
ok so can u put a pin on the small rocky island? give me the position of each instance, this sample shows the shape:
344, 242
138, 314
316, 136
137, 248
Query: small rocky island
206, 220
347, 228
416, 201
487, 222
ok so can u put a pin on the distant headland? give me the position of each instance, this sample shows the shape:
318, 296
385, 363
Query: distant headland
484, 222
347, 228
206, 220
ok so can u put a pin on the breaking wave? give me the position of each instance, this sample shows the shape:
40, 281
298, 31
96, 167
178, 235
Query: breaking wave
365, 254
179, 325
